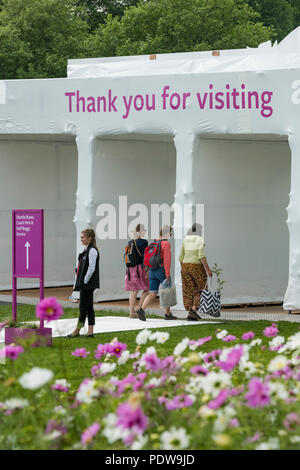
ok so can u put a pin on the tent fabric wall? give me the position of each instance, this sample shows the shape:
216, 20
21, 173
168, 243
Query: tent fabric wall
245, 187
40, 174
144, 172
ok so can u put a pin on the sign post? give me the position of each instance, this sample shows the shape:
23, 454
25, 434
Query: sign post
28, 250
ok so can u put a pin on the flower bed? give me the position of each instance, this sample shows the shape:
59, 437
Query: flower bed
242, 394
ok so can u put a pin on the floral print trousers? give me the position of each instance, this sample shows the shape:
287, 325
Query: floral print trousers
194, 278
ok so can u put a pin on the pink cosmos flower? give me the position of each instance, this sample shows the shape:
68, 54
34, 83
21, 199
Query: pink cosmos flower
234, 423
271, 331
254, 438
180, 401
54, 425
152, 362
60, 387
200, 341
48, 309
219, 401
232, 360
292, 421
257, 395
131, 418
116, 348
12, 351
212, 356
248, 335
89, 433
236, 390
100, 351
169, 365
81, 352
95, 369
229, 338
198, 370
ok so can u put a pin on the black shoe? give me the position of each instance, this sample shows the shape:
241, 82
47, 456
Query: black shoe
194, 315
170, 317
73, 336
141, 314
90, 336
190, 318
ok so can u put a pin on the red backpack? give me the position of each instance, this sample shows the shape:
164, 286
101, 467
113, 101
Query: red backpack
152, 255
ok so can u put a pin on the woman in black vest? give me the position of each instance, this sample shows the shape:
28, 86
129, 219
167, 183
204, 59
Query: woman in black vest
87, 280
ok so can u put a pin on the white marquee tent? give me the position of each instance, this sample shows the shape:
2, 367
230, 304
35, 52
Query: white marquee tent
217, 128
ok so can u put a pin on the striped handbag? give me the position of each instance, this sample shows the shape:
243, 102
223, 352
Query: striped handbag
210, 300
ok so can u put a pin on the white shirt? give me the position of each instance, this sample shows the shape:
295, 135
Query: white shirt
92, 265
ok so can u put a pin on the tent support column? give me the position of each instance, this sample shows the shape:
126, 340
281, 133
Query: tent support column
292, 295
185, 145
84, 195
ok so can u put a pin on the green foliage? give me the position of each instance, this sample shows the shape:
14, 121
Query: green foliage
218, 272
97, 11
37, 38
161, 26
276, 13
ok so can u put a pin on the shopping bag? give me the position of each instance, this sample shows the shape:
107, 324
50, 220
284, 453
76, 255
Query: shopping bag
167, 294
210, 300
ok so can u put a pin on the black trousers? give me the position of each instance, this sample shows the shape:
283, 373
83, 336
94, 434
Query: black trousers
86, 307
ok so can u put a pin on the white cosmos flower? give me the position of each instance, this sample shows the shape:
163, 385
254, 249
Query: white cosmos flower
248, 367
295, 439
110, 419
278, 390
292, 343
194, 385
124, 357
87, 391
111, 431
174, 439
106, 368
162, 337
213, 382
271, 444
14, 403
181, 346
277, 341
205, 412
36, 378
139, 443
222, 334
255, 342
279, 362
143, 336
154, 381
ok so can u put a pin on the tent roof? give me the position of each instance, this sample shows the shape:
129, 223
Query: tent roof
284, 55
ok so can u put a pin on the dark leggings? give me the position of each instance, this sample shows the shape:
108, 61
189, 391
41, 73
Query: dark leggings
86, 307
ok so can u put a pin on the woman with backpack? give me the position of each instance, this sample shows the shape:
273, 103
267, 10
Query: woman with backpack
136, 278
87, 280
160, 273
194, 270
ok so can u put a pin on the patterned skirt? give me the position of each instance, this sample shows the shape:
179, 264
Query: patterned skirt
194, 278
137, 278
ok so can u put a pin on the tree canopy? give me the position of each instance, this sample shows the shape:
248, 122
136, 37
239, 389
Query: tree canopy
38, 36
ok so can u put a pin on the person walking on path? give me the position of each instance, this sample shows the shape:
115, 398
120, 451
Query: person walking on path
157, 276
137, 276
194, 270
87, 280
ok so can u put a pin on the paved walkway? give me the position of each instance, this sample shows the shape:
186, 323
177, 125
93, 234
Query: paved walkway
112, 323
271, 312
